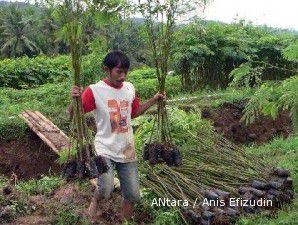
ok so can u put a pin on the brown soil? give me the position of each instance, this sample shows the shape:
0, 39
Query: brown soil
226, 120
70, 196
27, 158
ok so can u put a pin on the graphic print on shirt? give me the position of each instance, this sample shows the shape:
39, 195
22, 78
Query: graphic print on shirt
118, 115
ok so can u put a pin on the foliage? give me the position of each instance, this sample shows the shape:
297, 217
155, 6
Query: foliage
16, 30
126, 35
148, 87
92, 68
27, 72
141, 74
3, 180
206, 53
287, 216
65, 154
180, 124
273, 97
269, 99
246, 75
159, 215
168, 217
52, 100
146, 83
44, 186
291, 52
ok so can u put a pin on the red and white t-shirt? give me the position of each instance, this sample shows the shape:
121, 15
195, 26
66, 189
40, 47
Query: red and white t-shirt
113, 108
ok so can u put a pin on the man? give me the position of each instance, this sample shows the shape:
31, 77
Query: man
114, 103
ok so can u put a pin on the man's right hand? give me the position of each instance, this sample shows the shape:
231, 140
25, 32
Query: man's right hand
76, 91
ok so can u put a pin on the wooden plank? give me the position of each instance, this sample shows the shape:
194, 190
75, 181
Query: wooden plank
46, 130
43, 137
50, 122
44, 126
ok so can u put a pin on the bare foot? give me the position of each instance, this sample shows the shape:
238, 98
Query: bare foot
93, 211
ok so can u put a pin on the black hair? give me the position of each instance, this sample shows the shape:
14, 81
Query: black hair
116, 58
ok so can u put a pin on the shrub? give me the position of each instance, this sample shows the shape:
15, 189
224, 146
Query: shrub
50, 99
146, 84
26, 72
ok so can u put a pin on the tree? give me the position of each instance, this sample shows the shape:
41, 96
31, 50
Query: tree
16, 29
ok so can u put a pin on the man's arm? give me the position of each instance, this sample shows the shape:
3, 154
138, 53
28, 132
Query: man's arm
88, 101
74, 92
146, 105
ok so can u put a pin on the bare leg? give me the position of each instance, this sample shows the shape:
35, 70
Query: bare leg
102, 192
93, 210
127, 209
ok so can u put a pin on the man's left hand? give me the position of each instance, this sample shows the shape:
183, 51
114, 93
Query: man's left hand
160, 97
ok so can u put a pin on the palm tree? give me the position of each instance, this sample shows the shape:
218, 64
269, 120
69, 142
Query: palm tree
16, 29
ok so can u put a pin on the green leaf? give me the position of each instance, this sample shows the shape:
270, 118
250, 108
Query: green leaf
241, 71
274, 111
291, 52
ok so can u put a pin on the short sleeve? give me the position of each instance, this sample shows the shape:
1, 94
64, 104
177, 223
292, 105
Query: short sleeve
135, 105
88, 100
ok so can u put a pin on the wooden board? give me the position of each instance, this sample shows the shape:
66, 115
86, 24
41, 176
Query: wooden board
46, 130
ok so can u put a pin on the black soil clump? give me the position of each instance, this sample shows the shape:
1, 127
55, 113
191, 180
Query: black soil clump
85, 168
159, 153
7, 190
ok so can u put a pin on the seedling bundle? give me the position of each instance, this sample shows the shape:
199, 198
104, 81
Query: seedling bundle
159, 20
83, 161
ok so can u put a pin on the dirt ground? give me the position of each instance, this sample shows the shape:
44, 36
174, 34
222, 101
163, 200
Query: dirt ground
71, 196
27, 158
226, 120
30, 158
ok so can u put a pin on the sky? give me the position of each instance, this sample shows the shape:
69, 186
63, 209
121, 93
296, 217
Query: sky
274, 13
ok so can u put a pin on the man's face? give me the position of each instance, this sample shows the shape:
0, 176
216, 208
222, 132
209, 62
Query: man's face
117, 75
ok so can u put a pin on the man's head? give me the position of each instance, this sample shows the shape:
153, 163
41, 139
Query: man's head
116, 64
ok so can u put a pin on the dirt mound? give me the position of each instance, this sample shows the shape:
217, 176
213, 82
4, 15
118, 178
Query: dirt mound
27, 158
226, 120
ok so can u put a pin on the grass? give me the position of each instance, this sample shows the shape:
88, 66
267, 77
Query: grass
282, 153
211, 98
44, 186
14, 206
69, 217
158, 215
